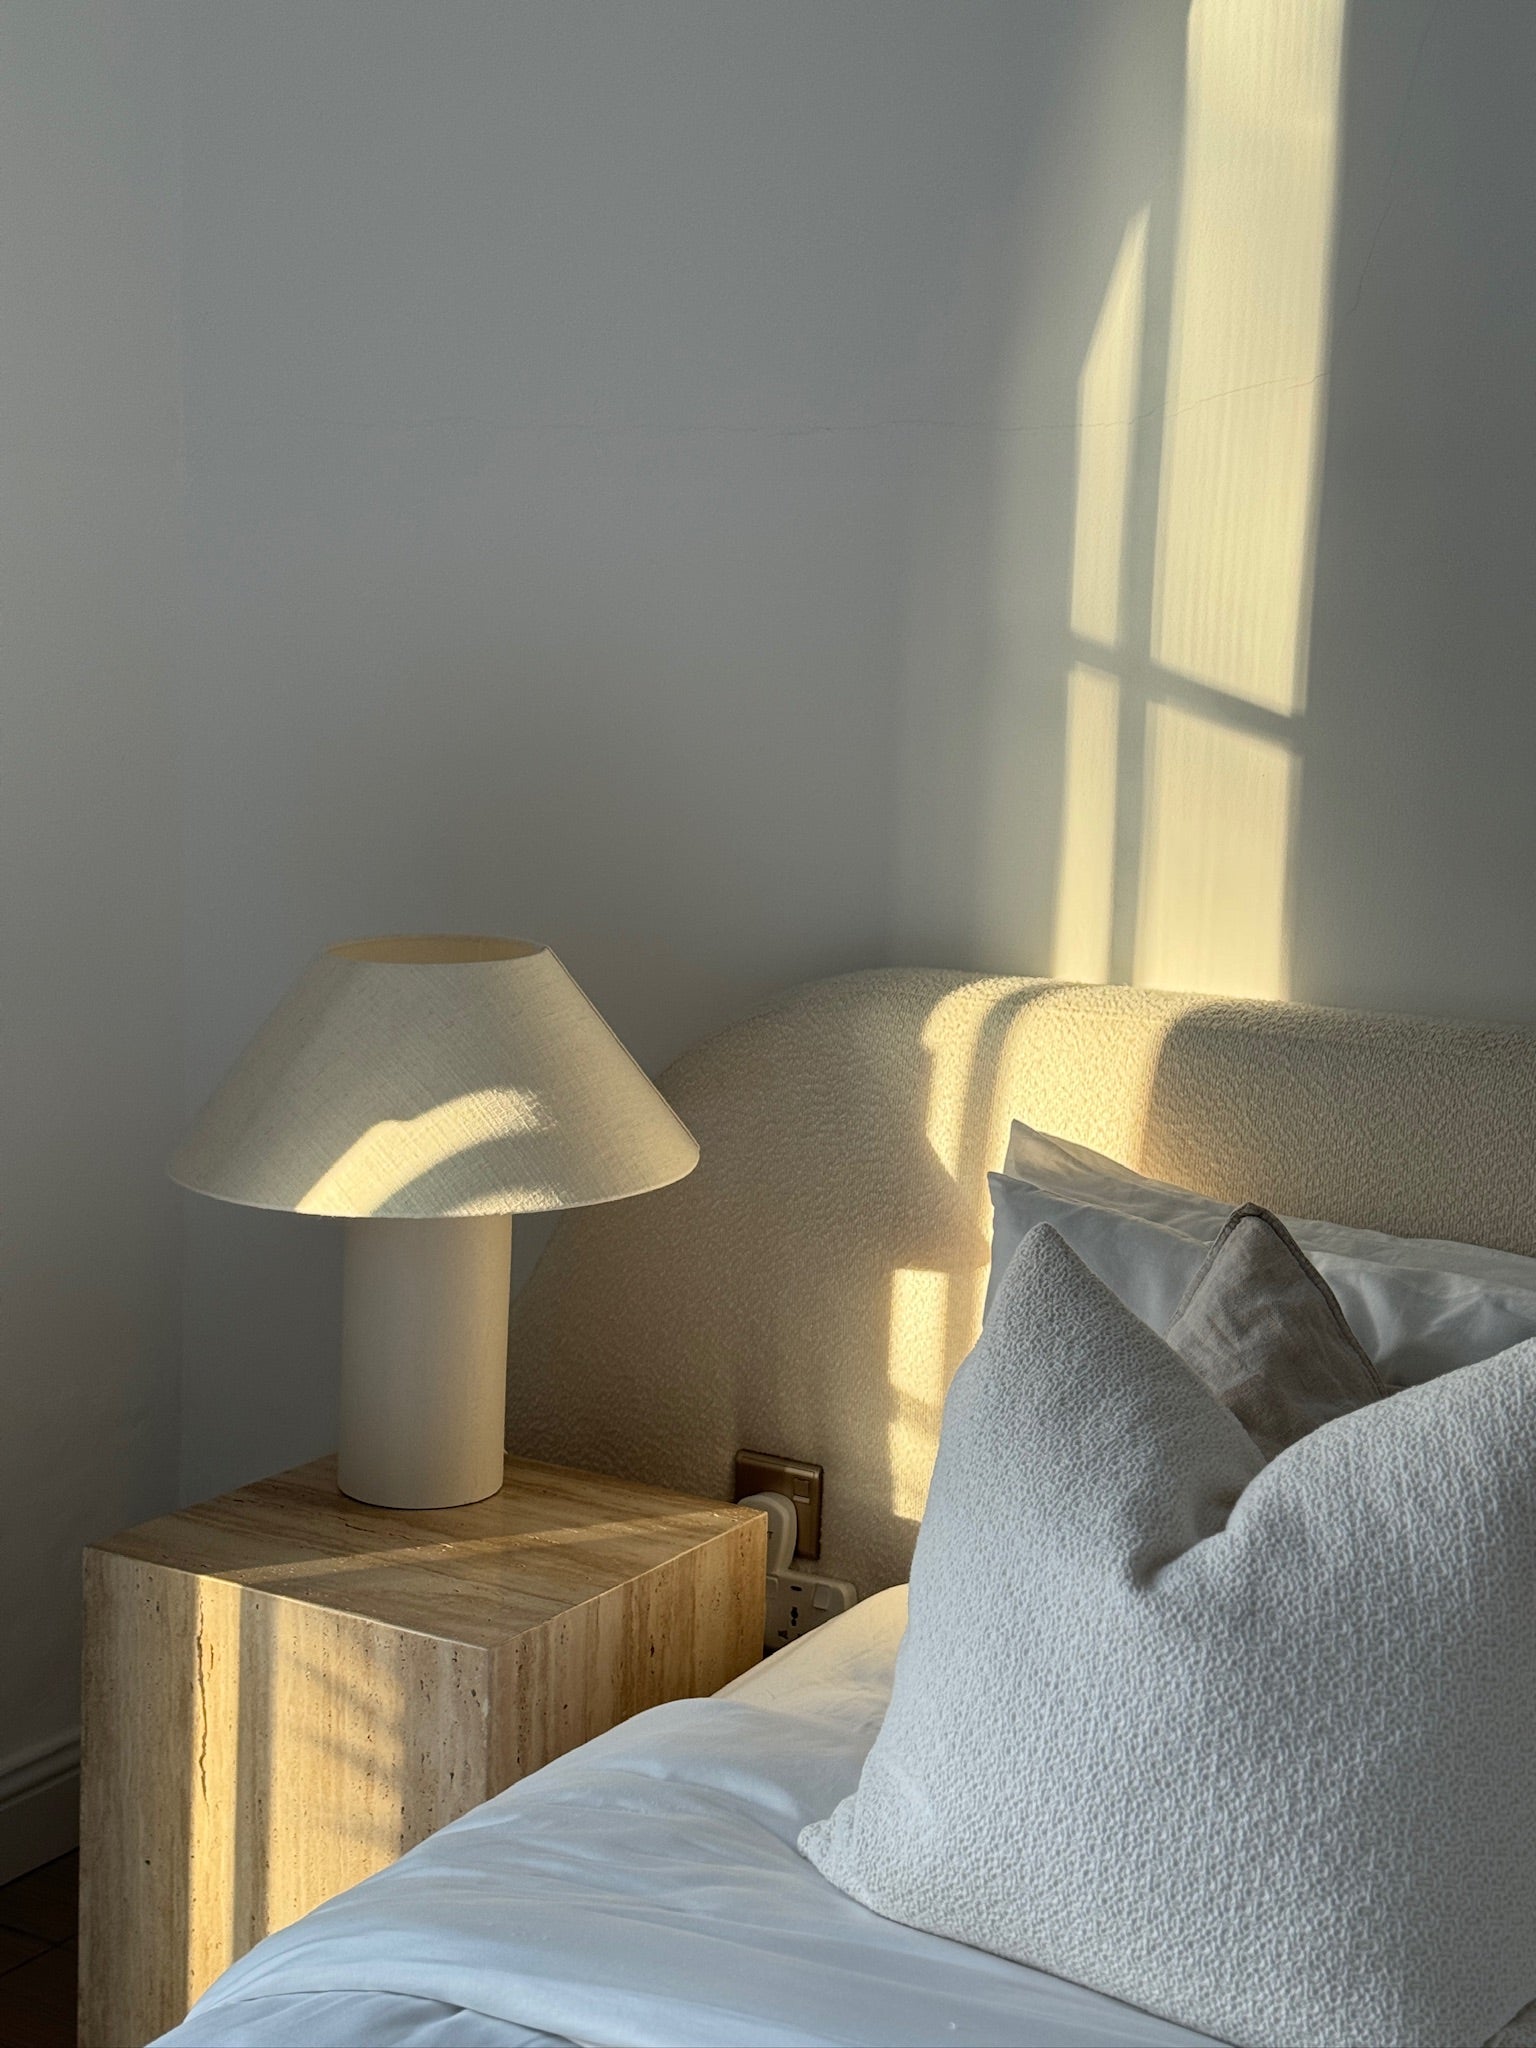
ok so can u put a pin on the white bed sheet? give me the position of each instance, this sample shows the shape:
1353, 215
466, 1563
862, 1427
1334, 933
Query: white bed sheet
646, 1891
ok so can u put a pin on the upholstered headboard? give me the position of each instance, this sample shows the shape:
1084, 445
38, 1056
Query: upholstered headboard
810, 1289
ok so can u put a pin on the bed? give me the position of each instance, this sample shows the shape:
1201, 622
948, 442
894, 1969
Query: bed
812, 1288
647, 1889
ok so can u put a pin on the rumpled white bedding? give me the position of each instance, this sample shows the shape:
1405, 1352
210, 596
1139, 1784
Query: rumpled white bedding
646, 1891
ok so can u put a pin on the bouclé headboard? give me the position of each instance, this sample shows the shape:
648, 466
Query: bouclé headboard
811, 1287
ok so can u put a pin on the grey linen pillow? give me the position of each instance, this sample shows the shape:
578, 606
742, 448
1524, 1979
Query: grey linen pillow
1248, 1745
1264, 1330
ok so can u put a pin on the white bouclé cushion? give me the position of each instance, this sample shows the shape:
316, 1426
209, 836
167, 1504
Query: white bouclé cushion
1251, 1746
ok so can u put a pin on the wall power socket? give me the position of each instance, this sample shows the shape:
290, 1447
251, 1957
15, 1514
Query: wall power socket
796, 1601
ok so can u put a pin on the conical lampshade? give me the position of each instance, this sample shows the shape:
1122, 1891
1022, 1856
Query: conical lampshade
419, 1077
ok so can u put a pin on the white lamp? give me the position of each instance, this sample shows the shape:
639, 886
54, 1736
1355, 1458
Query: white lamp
428, 1089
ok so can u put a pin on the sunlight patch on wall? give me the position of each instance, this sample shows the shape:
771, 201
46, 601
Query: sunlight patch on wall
1085, 885
1214, 865
1249, 346
1107, 394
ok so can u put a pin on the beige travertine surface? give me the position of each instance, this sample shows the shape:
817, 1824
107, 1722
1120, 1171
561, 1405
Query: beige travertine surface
286, 1689
811, 1288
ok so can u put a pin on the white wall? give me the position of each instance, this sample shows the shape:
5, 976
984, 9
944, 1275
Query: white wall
1418, 830
629, 490
90, 831
632, 459
1413, 836
552, 379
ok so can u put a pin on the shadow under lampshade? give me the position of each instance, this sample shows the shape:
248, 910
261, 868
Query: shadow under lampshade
427, 1089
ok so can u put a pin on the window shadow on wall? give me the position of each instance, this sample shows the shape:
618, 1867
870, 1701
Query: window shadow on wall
1134, 735
1190, 594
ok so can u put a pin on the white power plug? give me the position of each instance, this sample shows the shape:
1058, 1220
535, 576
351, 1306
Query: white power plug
797, 1601
783, 1526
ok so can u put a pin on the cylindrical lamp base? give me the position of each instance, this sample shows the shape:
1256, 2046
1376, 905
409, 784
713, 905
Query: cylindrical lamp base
424, 1359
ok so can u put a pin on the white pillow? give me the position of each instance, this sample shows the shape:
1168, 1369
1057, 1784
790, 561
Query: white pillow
1419, 1306
1250, 1746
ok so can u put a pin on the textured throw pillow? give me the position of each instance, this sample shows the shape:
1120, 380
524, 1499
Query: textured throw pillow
1250, 1746
1264, 1330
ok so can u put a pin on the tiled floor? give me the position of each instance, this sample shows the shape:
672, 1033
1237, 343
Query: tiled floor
37, 1957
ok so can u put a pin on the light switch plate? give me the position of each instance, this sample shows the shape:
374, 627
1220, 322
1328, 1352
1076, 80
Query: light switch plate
757, 1472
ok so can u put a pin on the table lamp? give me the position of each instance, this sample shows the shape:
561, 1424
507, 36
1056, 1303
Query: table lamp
427, 1089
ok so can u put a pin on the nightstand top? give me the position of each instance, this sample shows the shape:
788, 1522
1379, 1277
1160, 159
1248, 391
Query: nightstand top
552, 1539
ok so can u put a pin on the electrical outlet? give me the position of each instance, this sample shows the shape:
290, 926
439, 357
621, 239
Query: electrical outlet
799, 1602
800, 1484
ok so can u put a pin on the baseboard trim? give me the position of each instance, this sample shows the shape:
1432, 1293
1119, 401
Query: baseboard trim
39, 1804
